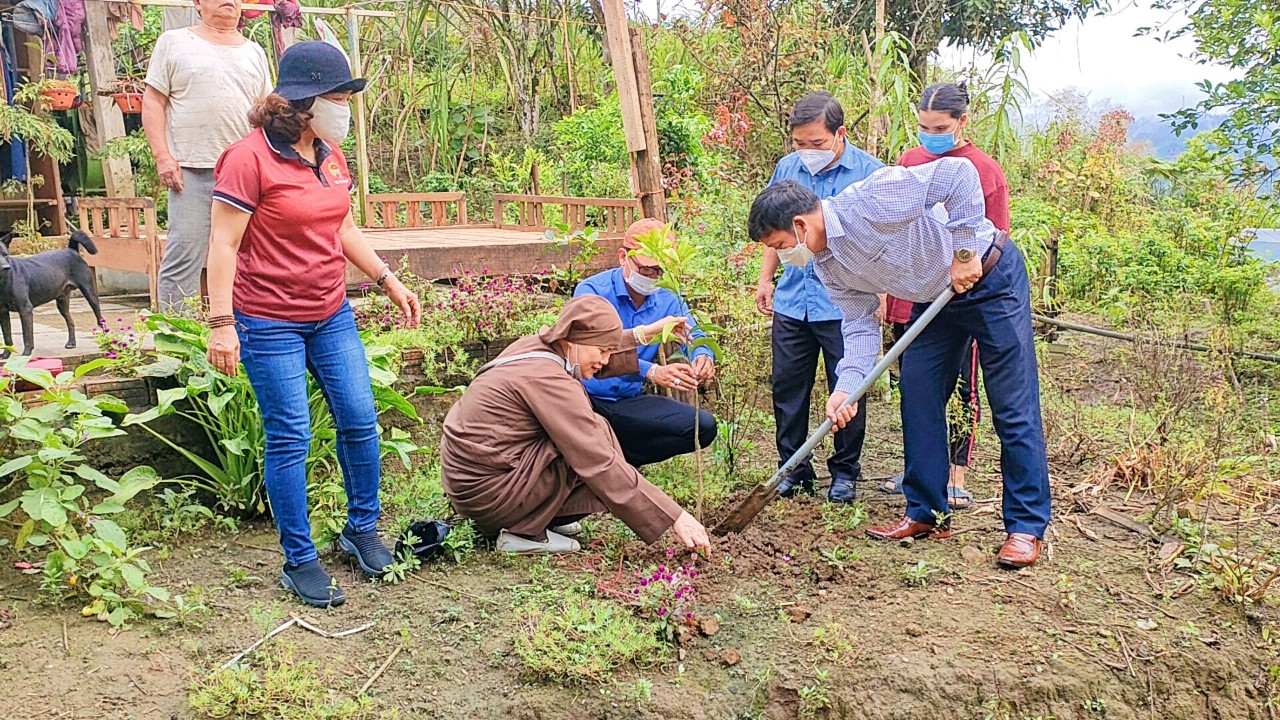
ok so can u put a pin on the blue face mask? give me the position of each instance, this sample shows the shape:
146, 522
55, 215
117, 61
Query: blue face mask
937, 144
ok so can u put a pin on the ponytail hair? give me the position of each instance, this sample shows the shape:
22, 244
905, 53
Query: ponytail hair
950, 98
285, 119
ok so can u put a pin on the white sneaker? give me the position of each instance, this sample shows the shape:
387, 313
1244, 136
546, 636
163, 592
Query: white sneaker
573, 529
555, 543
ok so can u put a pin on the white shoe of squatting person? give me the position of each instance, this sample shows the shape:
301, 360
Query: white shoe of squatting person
555, 543
573, 529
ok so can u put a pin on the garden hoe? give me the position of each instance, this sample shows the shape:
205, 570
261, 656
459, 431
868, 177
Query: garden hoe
751, 506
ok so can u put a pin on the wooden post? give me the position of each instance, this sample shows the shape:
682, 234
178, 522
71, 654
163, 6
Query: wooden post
362, 133
624, 72
647, 162
635, 95
102, 76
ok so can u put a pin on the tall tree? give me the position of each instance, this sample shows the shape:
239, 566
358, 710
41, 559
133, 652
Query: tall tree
979, 24
1243, 35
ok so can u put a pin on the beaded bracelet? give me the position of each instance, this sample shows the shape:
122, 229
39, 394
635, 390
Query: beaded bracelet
218, 321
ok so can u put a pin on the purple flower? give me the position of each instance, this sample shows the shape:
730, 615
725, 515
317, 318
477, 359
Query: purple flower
636, 591
644, 581
662, 612
679, 594
671, 553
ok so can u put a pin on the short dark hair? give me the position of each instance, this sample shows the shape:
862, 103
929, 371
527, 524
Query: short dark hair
776, 206
818, 107
950, 98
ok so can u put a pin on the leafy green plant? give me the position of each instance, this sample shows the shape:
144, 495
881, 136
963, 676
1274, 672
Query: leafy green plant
814, 697
919, 574
88, 554
843, 518
226, 410
676, 257
561, 236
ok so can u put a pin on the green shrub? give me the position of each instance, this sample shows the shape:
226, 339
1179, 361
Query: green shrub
581, 639
88, 555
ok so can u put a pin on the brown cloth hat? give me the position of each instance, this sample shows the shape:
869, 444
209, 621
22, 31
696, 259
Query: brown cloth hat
640, 227
586, 320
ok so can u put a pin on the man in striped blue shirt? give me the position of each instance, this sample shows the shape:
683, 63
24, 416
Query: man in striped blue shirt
879, 236
806, 323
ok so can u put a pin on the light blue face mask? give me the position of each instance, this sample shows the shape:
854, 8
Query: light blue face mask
937, 144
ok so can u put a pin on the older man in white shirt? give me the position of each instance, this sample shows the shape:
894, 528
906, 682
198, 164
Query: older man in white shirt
201, 83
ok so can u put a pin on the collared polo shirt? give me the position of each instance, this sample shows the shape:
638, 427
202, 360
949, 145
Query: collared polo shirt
800, 294
611, 286
290, 266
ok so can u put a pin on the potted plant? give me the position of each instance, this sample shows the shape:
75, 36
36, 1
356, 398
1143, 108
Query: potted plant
43, 136
127, 93
58, 94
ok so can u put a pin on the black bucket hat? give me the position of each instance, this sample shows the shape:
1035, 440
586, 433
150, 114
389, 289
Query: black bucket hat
423, 538
313, 68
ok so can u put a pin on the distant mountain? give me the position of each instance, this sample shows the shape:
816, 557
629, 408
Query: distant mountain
1156, 134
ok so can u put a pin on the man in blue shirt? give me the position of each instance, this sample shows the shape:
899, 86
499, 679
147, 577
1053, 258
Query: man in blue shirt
650, 428
805, 322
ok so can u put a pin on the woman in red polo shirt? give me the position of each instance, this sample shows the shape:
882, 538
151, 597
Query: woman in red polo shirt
281, 238
943, 114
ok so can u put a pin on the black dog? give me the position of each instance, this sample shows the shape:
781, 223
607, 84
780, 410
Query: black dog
27, 283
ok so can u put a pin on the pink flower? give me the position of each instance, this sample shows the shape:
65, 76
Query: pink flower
662, 612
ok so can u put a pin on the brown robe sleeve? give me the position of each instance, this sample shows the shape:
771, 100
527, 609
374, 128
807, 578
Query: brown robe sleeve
589, 448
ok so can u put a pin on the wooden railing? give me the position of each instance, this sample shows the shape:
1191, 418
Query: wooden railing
127, 236
415, 210
609, 216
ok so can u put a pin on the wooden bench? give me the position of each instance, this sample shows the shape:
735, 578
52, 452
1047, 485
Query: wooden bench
415, 210
127, 236
609, 216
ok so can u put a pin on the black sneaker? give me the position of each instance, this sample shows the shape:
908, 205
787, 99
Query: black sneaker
793, 485
312, 584
843, 490
366, 547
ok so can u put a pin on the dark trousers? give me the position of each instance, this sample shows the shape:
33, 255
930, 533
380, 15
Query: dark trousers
962, 422
997, 314
796, 347
654, 428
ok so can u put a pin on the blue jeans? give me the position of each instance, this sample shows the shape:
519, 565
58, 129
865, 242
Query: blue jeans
277, 356
997, 314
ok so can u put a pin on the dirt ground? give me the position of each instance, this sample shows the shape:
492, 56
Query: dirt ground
1096, 630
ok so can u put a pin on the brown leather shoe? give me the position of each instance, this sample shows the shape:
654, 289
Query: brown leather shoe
1019, 551
908, 528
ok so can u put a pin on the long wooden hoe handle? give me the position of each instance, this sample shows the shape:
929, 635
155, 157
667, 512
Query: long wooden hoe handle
751, 506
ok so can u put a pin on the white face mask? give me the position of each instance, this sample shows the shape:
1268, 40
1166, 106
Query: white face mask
800, 255
817, 160
330, 120
573, 368
641, 284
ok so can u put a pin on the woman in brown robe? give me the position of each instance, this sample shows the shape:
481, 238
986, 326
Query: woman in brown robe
523, 452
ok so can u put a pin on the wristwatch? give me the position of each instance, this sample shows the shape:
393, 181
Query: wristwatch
964, 255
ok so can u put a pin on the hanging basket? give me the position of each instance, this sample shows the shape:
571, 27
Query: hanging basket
59, 96
130, 103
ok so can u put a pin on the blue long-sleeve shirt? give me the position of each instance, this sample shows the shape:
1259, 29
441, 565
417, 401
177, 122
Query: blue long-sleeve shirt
884, 235
800, 294
611, 286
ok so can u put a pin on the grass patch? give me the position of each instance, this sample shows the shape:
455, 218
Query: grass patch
580, 639
279, 688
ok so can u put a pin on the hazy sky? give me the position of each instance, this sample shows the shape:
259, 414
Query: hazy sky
1100, 57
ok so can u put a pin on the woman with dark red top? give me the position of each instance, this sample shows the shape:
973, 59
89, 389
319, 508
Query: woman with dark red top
943, 115
282, 234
